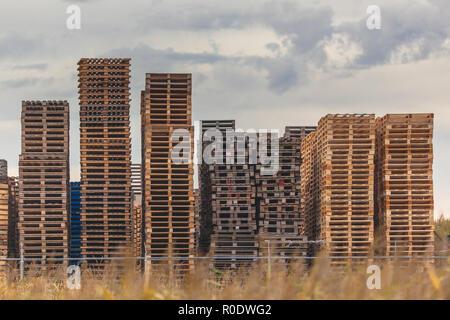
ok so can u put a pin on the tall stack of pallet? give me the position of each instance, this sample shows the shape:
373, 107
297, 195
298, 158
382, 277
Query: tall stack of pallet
105, 147
75, 221
280, 216
404, 184
168, 199
338, 186
4, 216
205, 183
234, 242
44, 182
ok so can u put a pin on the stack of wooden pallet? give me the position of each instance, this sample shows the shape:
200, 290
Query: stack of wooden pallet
168, 199
404, 192
205, 183
105, 148
44, 182
234, 242
338, 186
280, 217
4, 216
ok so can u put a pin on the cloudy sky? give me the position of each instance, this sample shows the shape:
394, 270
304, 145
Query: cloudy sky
266, 64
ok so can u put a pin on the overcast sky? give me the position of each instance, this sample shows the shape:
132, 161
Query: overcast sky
266, 64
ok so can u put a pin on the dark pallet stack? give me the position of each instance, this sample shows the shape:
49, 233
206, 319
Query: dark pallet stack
280, 217
44, 183
13, 219
75, 222
234, 242
338, 185
404, 193
168, 199
205, 185
105, 149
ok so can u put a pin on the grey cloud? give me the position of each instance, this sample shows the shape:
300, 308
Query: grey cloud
35, 66
419, 25
14, 46
25, 82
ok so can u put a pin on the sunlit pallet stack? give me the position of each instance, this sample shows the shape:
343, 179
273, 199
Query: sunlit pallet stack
168, 199
44, 183
404, 193
338, 185
105, 148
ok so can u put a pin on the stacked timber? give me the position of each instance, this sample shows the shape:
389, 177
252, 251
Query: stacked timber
44, 183
167, 153
105, 149
234, 242
338, 185
217, 127
280, 217
404, 180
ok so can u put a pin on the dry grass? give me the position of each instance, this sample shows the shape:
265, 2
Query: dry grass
295, 282
320, 282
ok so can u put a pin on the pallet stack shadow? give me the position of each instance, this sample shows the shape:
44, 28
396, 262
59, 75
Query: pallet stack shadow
75, 222
404, 192
168, 199
280, 217
338, 185
105, 149
44, 183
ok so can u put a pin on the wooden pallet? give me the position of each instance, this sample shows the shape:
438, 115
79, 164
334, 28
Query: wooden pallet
338, 184
404, 193
168, 190
105, 150
44, 182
